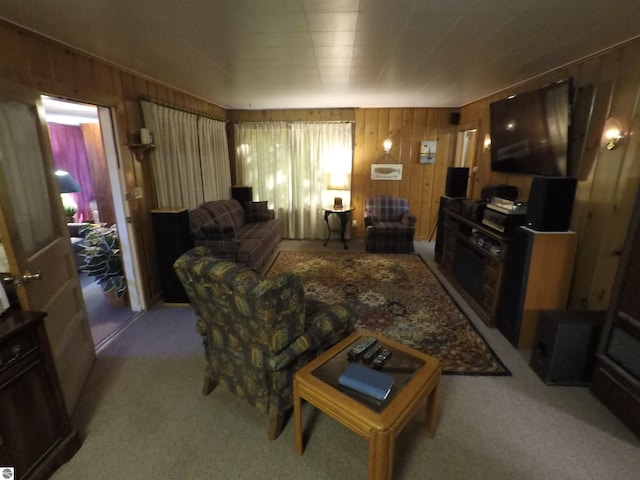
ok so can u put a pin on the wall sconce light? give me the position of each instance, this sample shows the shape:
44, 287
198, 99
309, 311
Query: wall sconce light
386, 145
487, 142
612, 133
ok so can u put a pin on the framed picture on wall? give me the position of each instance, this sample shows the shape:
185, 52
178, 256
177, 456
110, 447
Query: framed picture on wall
386, 171
428, 152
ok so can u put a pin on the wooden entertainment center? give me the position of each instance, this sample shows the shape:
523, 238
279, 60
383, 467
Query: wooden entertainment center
506, 277
466, 241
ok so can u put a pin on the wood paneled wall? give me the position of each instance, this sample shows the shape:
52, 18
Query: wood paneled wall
53, 69
606, 85
421, 184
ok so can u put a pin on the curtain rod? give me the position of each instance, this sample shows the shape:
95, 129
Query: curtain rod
293, 121
180, 109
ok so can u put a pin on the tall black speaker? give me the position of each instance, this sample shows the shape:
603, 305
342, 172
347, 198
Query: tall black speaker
550, 203
242, 193
173, 238
456, 184
564, 349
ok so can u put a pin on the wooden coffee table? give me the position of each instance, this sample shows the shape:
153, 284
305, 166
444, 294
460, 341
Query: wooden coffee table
417, 376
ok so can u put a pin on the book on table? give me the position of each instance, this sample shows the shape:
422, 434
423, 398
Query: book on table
366, 380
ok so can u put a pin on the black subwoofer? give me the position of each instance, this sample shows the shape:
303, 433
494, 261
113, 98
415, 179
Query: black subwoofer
564, 350
173, 238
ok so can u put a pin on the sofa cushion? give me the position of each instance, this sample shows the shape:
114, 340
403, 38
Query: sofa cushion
225, 212
198, 218
256, 211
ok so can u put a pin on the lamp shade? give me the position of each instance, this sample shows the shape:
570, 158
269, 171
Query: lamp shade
338, 181
67, 183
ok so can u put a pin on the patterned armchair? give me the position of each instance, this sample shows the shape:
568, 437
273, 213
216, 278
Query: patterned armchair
257, 331
390, 226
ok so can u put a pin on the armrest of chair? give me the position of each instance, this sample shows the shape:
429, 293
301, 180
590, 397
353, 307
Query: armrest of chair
324, 329
409, 219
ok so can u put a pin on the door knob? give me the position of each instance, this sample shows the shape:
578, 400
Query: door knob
19, 280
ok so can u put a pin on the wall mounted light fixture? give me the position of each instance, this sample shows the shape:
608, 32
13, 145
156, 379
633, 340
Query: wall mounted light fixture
613, 133
386, 145
487, 142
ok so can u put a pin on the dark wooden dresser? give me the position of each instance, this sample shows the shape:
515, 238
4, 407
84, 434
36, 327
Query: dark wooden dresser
35, 433
616, 380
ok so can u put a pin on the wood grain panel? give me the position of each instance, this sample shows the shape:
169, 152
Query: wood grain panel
12, 58
36, 53
606, 85
99, 174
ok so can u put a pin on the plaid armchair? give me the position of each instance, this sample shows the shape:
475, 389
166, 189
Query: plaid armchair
257, 331
390, 226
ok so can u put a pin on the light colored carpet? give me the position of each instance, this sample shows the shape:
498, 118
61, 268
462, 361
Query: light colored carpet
104, 320
142, 416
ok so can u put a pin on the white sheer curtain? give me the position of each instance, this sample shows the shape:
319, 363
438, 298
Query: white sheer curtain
189, 162
289, 164
214, 158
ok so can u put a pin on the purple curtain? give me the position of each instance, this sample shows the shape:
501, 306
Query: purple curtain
70, 154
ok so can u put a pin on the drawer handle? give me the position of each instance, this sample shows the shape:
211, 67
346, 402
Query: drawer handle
15, 354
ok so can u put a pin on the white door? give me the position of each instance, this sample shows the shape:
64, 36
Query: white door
34, 234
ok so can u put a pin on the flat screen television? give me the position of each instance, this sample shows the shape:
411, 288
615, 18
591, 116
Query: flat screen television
530, 131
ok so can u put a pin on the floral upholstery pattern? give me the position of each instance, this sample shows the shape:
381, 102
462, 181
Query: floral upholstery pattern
257, 331
390, 226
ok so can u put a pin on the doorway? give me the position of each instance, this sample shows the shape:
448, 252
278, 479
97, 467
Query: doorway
78, 135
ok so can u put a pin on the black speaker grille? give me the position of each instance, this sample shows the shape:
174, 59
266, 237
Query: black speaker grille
624, 349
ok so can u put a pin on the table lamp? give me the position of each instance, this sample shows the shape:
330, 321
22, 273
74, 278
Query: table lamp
68, 185
338, 181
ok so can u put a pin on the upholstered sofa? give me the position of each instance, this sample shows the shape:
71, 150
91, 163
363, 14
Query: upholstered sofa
257, 331
247, 234
390, 227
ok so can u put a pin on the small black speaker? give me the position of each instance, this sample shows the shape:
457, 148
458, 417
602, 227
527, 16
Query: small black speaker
456, 184
564, 350
242, 193
550, 203
454, 118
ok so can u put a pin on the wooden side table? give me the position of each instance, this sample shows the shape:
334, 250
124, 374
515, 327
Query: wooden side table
344, 214
417, 376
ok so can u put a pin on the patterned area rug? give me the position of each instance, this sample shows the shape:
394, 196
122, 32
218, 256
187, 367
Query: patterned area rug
396, 295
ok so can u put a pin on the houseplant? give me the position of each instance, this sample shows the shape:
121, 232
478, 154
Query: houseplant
101, 253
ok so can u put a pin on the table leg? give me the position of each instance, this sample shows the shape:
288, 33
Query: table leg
344, 219
432, 411
297, 419
381, 446
326, 220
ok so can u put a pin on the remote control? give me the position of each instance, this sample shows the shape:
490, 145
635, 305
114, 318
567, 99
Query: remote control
356, 351
369, 354
380, 359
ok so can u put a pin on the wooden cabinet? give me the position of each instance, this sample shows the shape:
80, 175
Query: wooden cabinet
507, 279
473, 261
616, 380
35, 433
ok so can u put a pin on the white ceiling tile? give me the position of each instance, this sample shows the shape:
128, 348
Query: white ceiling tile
334, 53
